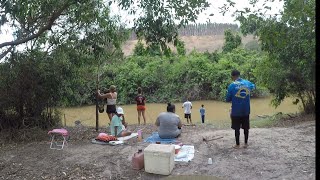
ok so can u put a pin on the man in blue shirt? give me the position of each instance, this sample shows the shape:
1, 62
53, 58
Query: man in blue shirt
239, 94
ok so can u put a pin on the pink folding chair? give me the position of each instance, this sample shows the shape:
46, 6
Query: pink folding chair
55, 142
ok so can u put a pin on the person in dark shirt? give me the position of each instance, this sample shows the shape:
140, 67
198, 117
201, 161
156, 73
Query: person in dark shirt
141, 107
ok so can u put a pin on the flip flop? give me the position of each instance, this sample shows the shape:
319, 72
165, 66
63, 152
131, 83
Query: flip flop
236, 146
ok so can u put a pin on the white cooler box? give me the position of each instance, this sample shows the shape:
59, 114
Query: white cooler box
159, 159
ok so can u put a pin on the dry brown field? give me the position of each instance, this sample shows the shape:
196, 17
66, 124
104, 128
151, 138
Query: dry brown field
199, 43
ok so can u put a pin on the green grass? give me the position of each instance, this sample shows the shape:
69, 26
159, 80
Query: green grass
263, 123
254, 123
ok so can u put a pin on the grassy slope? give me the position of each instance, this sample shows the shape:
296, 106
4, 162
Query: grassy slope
199, 43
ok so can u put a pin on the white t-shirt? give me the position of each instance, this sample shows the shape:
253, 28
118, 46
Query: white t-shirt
187, 107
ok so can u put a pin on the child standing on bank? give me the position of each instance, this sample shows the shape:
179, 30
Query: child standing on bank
202, 112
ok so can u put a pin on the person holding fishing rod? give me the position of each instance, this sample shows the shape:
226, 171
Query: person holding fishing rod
111, 101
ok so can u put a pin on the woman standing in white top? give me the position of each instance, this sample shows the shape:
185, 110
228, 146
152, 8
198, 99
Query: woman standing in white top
111, 101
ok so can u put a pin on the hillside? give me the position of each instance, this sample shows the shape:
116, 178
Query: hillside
199, 43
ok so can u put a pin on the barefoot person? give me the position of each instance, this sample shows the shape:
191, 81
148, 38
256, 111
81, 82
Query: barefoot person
141, 107
118, 124
169, 123
111, 97
187, 110
239, 94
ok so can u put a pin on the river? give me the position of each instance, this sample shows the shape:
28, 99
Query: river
217, 112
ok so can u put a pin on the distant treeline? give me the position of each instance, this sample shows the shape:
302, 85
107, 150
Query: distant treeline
204, 29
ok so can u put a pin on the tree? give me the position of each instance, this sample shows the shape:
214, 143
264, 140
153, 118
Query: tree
33, 19
181, 48
159, 20
232, 41
289, 39
139, 49
57, 66
76, 39
29, 89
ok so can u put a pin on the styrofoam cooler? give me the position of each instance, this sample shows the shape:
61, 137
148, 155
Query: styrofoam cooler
159, 159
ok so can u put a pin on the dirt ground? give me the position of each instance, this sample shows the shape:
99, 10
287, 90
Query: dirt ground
286, 152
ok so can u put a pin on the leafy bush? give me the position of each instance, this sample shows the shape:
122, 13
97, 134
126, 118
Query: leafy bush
175, 78
29, 92
253, 45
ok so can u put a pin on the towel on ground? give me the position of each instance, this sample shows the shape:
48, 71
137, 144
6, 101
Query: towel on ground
185, 154
155, 137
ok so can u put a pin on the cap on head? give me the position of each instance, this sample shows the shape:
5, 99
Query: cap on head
120, 110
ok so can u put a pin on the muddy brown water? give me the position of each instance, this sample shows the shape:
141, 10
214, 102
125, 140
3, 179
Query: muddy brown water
217, 112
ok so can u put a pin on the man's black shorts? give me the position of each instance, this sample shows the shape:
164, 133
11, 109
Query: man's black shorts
238, 122
187, 116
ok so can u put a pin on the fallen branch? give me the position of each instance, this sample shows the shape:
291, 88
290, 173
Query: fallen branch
206, 140
292, 116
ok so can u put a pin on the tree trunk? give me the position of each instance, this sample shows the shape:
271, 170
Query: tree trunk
302, 101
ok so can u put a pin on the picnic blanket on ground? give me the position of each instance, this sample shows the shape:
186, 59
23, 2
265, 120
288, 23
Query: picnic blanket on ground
155, 137
128, 137
119, 141
185, 154
94, 141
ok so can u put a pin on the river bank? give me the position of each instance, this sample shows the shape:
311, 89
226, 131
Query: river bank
283, 152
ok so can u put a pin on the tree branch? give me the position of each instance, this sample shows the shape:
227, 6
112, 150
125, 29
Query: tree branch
48, 26
2, 55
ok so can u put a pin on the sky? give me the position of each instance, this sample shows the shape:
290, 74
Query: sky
5, 35
213, 9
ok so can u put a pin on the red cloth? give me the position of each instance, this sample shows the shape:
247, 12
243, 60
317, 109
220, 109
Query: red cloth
105, 137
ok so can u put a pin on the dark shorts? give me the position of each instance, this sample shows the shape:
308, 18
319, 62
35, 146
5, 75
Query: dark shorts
187, 116
111, 109
238, 122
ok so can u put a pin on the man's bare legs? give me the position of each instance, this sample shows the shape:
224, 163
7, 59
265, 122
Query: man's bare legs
110, 116
125, 133
144, 117
189, 117
190, 120
139, 116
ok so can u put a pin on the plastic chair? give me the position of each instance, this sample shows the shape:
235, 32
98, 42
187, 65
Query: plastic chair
55, 143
